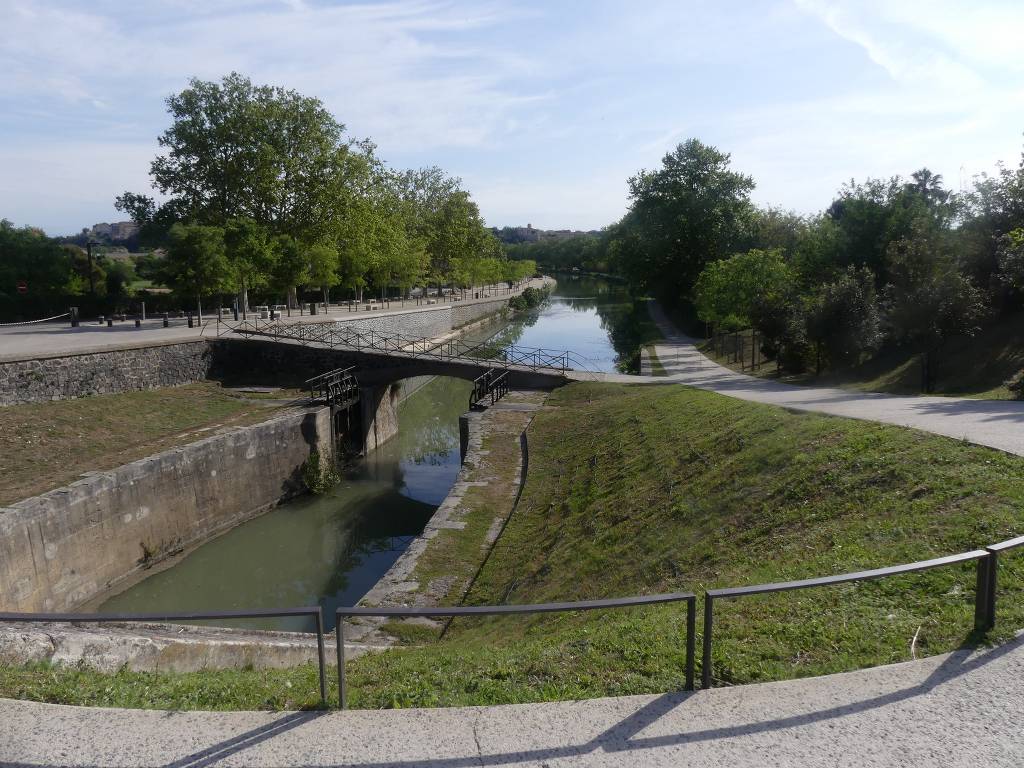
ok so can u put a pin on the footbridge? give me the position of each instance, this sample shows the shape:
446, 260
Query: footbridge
371, 363
383, 358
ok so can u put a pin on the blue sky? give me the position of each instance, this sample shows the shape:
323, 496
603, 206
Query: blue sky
543, 108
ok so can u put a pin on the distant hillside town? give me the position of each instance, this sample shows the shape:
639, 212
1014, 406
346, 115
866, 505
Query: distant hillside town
527, 234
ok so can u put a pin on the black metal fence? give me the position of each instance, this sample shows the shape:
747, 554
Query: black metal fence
339, 335
741, 348
128, 618
986, 561
338, 388
491, 384
984, 600
502, 610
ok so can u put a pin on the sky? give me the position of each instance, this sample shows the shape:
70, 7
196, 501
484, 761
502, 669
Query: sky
544, 109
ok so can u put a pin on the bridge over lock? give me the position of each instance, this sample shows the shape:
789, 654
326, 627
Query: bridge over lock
357, 370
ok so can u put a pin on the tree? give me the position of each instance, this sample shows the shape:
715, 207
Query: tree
843, 318
196, 264
726, 290
692, 211
1011, 259
929, 300
289, 268
250, 253
323, 267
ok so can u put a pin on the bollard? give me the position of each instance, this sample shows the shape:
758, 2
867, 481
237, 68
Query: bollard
166, 321
312, 308
110, 322
74, 317
190, 320
138, 323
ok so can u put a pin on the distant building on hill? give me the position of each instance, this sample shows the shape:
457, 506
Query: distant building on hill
528, 234
119, 231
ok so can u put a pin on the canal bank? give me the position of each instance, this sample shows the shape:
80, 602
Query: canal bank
339, 542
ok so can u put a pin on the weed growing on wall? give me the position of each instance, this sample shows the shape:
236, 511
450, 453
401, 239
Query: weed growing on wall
318, 473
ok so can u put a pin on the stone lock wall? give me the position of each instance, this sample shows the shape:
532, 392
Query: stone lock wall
64, 547
98, 373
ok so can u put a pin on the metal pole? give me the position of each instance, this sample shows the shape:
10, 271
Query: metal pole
705, 672
321, 660
691, 639
92, 286
340, 640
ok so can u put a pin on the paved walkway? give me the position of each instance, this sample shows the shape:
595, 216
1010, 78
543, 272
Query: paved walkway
956, 710
995, 423
18, 342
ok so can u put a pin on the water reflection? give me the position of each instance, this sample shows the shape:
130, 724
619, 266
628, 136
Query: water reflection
330, 549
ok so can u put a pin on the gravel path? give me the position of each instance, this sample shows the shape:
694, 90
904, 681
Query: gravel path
960, 709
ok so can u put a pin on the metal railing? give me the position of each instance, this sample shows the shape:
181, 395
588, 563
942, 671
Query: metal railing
339, 335
983, 596
490, 384
125, 618
499, 610
984, 609
338, 388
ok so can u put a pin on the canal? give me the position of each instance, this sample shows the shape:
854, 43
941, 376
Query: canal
331, 549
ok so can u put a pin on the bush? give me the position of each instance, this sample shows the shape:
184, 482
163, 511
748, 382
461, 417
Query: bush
529, 298
318, 473
1016, 385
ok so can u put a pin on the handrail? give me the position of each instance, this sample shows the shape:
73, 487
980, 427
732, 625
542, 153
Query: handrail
493, 610
336, 335
335, 372
256, 613
982, 601
984, 608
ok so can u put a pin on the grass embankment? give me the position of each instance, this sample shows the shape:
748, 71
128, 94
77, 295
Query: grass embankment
637, 490
976, 367
46, 445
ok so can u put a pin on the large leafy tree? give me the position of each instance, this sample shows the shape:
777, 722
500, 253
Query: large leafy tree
196, 264
727, 290
929, 300
250, 252
843, 318
690, 212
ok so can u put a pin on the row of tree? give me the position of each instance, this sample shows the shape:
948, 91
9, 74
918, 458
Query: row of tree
262, 191
889, 262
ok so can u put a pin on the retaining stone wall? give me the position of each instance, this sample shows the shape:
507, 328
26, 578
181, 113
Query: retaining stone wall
463, 314
67, 546
429, 323
98, 373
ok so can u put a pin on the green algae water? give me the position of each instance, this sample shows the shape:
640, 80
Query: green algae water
329, 550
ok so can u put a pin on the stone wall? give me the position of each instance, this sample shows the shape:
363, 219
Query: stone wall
60, 549
98, 373
429, 322
463, 314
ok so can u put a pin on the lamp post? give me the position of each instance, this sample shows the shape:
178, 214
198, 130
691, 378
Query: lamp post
92, 279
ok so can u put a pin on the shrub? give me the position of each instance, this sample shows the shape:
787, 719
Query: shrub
318, 473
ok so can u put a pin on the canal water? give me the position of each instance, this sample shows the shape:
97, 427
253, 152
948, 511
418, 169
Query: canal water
331, 549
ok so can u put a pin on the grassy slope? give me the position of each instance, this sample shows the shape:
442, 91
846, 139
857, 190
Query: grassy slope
642, 490
47, 445
648, 489
966, 367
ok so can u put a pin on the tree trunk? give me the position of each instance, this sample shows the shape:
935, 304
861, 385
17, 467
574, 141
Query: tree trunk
199, 306
293, 297
326, 296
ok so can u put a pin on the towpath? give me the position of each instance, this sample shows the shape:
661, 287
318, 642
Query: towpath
994, 423
961, 709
